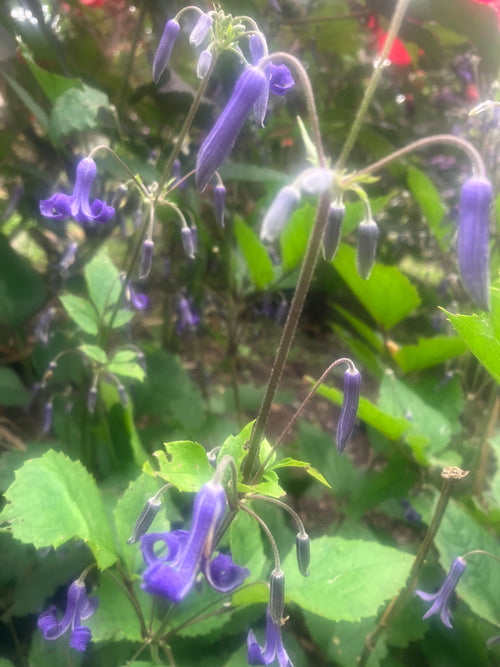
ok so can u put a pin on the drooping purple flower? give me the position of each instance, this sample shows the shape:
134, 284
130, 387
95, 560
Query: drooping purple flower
79, 607
224, 133
219, 203
42, 326
345, 426
441, 600
280, 79
172, 575
187, 318
367, 247
200, 30
77, 205
473, 239
165, 47
273, 648
278, 214
138, 300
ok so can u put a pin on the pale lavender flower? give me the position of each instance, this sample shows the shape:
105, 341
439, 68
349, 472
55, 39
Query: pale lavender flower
188, 242
223, 135
345, 426
67, 259
138, 300
203, 64
273, 648
42, 326
441, 600
187, 319
473, 239
79, 607
77, 205
165, 47
200, 30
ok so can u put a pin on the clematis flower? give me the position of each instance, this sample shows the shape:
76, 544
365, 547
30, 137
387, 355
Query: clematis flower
138, 300
187, 318
273, 648
220, 140
441, 599
172, 575
473, 239
79, 608
77, 205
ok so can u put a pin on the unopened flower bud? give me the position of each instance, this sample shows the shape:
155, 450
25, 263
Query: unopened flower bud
279, 213
146, 259
47, 417
203, 64
473, 239
119, 196
277, 595
188, 242
122, 393
165, 47
303, 553
91, 400
316, 181
145, 519
367, 247
200, 30
331, 235
345, 426
219, 203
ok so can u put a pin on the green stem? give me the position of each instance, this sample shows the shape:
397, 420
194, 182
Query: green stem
397, 19
287, 335
449, 476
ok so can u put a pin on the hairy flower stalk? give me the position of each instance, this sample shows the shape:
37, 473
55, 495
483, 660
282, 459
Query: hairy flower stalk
219, 142
441, 600
345, 426
160, 62
473, 239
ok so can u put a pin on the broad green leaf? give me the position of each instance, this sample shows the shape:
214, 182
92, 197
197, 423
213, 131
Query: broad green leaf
94, 352
128, 369
103, 281
387, 295
294, 237
234, 445
246, 546
82, 312
428, 352
429, 200
53, 85
478, 333
124, 356
53, 500
372, 337
480, 583
76, 110
22, 290
184, 464
116, 619
258, 262
349, 580
294, 463
122, 317
29, 101
12, 391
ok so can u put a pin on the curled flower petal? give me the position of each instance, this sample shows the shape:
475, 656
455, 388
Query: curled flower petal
281, 80
223, 574
441, 600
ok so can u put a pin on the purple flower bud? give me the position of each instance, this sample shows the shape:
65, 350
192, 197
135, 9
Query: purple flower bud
223, 135
203, 65
277, 595
188, 242
279, 212
367, 247
200, 30
441, 599
352, 382
167, 42
146, 259
139, 300
316, 181
331, 235
473, 239
91, 400
47, 417
219, 203
303, 553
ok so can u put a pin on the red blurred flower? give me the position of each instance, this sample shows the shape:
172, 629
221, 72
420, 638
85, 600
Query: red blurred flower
398, 55
92, 3
494, 4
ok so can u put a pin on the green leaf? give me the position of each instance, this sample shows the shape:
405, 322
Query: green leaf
429, 200
22, 291
387, 295
76, 110
95, 353
428, 352
258, 262
117, 619
53, 85
479, 586
53, 500
478, 333
371, 336
123, 356
29, 101
12, 391
122, 317
234, 445
185, 465
295, 235
293, 463
103, 281
82, 312
350, 579
129, 369
246, 546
